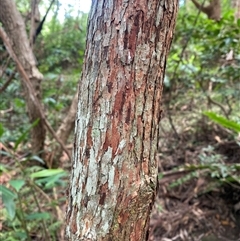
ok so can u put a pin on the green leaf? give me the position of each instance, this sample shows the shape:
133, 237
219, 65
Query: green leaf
49, 182
1, 129
20, 235
17, 184
223, 121
2, 168
46, 173
37, 158
19, 103
8, 200
24, 134
238, 22
38, 216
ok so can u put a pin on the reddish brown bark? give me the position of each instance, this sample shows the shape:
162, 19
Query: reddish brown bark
114, 175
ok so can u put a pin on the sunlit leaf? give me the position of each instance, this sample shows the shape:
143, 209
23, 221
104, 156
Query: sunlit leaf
46, 173
17, 184
223, 121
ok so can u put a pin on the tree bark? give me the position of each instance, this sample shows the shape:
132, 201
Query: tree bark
114, 174
67, 124
35, 20
15, 28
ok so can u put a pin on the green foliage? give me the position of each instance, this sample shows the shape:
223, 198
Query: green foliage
21, 198
20, 192
232, 125
59, 50
8, 198
13, 118
211, 165
204, 62
206, 52
61, 45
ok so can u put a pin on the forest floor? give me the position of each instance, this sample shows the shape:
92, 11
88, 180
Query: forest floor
197, 199
199, 184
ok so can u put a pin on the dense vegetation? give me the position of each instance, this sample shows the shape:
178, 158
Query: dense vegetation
200, 128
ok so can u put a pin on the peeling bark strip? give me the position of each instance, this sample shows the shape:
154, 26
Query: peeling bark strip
114, 174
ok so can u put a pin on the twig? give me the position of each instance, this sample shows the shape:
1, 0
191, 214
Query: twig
7, 82
5, 66
218, 104
29, 86
172, 175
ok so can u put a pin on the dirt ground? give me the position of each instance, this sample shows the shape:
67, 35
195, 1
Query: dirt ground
195, 203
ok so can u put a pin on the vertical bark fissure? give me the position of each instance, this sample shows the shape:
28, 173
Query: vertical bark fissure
114, 168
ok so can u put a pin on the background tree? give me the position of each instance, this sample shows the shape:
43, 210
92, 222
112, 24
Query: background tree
212, 10
114, 175
15, 28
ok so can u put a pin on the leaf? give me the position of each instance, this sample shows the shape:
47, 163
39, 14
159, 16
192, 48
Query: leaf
52, 180
238, 22
223, 121
46, 173
19, 103
4, 153
17, 184
8, 200
2, 168
22, 137
1, 129
38, 216
37, 158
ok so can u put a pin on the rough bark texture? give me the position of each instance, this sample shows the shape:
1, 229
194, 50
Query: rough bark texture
114, 174
15, 28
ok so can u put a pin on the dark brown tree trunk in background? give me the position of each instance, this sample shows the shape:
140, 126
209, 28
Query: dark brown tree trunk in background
35, 20
66, 127
114, 174
15, 28
67, 124
212, 10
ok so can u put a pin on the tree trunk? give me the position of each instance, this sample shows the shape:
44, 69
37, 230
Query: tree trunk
114, 174
66, 127
15, 28
212, 10
236, 6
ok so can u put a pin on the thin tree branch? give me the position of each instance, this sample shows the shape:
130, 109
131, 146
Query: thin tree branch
7, 82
